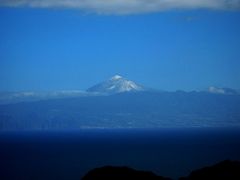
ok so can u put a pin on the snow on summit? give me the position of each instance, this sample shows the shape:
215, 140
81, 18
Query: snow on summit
116, 77
116, 84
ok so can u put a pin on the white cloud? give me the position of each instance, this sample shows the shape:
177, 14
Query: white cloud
124, 6
216, 90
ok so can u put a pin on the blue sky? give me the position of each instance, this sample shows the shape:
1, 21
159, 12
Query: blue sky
70, 48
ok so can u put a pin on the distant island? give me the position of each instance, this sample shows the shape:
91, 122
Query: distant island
119, 103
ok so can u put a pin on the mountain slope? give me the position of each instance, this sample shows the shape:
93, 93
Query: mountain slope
125, 110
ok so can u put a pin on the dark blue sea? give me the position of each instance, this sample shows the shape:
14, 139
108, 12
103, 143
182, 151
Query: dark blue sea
68, 155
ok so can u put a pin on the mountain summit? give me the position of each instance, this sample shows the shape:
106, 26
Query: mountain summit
116, 84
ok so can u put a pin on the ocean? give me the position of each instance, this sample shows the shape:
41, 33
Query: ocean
69, 154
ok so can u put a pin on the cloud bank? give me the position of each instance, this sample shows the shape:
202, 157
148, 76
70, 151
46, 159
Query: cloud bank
125, 6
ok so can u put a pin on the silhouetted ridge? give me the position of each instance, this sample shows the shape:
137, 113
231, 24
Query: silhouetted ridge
120, 173
225, 170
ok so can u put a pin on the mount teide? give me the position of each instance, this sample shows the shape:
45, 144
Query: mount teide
116, 84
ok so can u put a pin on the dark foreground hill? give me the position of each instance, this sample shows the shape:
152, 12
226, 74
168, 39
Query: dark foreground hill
125, 110
225, 170
120, 173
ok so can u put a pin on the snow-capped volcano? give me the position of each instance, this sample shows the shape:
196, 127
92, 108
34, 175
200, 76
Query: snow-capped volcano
116, 84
